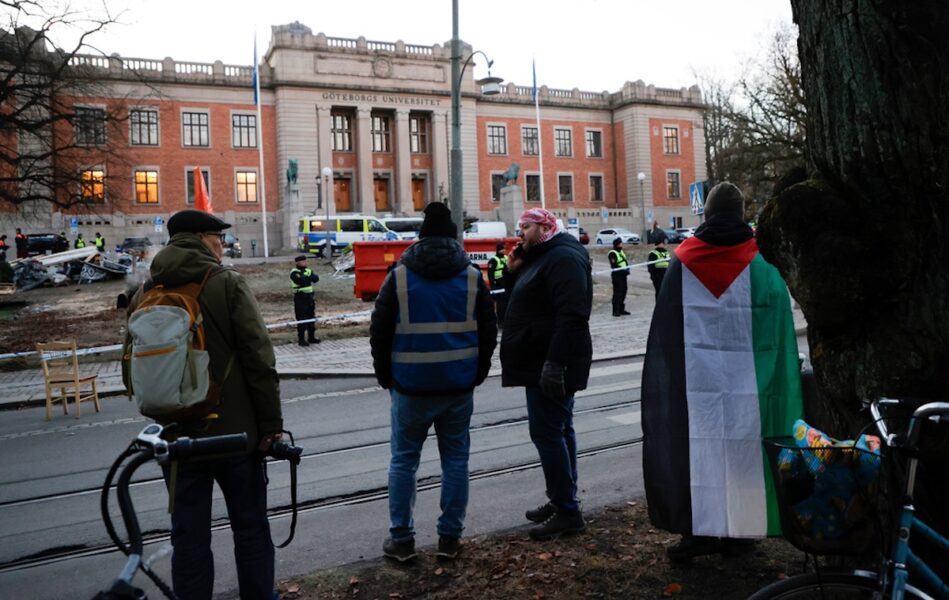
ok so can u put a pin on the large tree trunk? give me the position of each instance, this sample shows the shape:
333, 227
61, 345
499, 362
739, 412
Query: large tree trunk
862, 238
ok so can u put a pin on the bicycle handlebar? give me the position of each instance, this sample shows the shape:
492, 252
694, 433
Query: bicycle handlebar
185, 448
922, 410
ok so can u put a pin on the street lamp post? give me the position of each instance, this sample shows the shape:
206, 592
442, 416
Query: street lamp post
642, 202
490, 86
326, 172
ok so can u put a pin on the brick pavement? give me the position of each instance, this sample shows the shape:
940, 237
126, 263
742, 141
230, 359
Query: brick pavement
612, 338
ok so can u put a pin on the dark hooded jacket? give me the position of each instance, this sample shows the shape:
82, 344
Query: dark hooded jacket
233, 326
548, 315
435, 258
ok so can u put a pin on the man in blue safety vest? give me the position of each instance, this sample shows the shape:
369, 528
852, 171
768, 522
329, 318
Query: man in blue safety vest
302, 279
433, 333
618, 276
497, 277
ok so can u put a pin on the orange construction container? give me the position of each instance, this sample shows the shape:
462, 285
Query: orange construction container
374, 259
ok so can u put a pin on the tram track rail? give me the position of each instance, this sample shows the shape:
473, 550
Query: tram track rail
54, 556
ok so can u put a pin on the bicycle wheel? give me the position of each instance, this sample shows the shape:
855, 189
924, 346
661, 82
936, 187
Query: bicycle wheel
834, 585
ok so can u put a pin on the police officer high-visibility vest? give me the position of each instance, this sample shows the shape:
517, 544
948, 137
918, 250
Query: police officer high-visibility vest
80, 243
302, 289
499, 263
100, 242
620, 258
663, 257
435, 347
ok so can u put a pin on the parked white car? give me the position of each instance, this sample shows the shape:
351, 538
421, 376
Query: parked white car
686, 232
606, 236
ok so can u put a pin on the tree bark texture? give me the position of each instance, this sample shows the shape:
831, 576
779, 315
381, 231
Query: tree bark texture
862, 236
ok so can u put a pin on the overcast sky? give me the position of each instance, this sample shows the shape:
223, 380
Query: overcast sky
592, 45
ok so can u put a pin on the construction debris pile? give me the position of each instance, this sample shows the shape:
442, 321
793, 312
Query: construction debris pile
81, 265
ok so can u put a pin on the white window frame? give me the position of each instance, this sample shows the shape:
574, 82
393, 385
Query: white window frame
181, 121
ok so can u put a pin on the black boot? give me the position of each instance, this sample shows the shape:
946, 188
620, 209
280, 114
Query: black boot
303, 342
557, 525
691, 546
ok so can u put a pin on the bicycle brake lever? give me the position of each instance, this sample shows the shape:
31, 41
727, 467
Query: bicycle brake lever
151, 437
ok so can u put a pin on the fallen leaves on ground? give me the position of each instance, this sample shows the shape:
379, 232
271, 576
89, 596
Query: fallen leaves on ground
619, 557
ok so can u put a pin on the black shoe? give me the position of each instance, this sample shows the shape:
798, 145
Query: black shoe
691, 546
617, 314
314, 340
541, 513
557, 525
448, 547
733, 547
625, 312
304, 343
401, 552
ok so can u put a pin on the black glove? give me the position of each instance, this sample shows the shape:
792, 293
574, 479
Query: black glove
551, 380
314, 278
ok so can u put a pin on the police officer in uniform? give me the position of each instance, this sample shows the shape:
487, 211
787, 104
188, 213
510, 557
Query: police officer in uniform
80, 243
658, 270
100, 242
302, 279
617, 261
62, 242
497, 276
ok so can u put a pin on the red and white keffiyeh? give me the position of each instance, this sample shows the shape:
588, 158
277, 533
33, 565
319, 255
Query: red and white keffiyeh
544, 217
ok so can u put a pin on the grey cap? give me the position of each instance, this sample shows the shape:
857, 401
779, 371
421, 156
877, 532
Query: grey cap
194, 221
725, 198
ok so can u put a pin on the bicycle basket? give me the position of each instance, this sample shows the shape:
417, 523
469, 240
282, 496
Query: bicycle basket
828, 497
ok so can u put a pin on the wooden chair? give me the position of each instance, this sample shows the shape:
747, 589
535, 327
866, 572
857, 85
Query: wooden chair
61, 371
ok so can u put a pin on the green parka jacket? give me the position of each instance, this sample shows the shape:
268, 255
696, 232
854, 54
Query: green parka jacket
250, 398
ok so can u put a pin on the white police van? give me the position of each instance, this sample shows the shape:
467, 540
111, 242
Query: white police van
314, 232
406, 228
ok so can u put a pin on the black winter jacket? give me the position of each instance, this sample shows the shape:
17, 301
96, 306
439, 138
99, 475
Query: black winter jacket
431, 258
548, 315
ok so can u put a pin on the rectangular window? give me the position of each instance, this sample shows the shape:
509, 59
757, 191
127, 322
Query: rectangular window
670, 139
380, 134
533, 187
246, 186
144, 124
90, 126
92, 186
594, 143
146, 187
672, 184
596, 188
497, 139
418, 134
342, 126
189, 183
497, 182
194, 129
565, 187
529, 141
563, 142
244, 131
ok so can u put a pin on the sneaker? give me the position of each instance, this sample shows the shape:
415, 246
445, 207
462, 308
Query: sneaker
314, 340
448, 547
304, 343
400, 551
557, 525
541, 513
691, 546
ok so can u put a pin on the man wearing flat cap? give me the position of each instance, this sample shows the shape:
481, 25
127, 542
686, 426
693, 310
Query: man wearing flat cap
720, 373
302, 279
242, 363
432, 335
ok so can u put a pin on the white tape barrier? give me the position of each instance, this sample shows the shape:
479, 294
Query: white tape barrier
642, 264
362, 313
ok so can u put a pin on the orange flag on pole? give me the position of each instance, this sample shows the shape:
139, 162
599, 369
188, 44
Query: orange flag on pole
201, 199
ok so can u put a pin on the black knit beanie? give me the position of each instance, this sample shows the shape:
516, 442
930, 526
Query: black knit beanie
725, 199
437, 222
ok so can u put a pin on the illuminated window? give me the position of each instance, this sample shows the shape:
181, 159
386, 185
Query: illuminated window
146, 187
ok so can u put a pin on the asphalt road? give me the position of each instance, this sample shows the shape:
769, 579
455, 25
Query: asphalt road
53, 543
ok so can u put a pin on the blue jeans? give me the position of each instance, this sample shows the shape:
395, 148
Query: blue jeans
411, 418
241, 479
551, 430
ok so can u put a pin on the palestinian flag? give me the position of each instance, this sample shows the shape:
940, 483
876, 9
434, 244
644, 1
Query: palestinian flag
720, 373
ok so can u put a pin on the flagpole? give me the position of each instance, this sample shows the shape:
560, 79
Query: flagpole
540, 145
260, 150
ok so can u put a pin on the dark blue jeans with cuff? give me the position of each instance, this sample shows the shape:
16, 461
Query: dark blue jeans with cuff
551, 429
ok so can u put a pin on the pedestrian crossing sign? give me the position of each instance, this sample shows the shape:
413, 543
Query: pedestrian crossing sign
697, 197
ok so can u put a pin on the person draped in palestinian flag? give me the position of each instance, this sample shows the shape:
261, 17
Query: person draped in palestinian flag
720, 373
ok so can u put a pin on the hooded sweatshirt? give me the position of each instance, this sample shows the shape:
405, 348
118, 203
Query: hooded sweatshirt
233, 327
434, 258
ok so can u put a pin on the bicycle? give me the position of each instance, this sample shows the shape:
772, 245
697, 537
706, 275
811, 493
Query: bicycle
150, 445
891, 579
